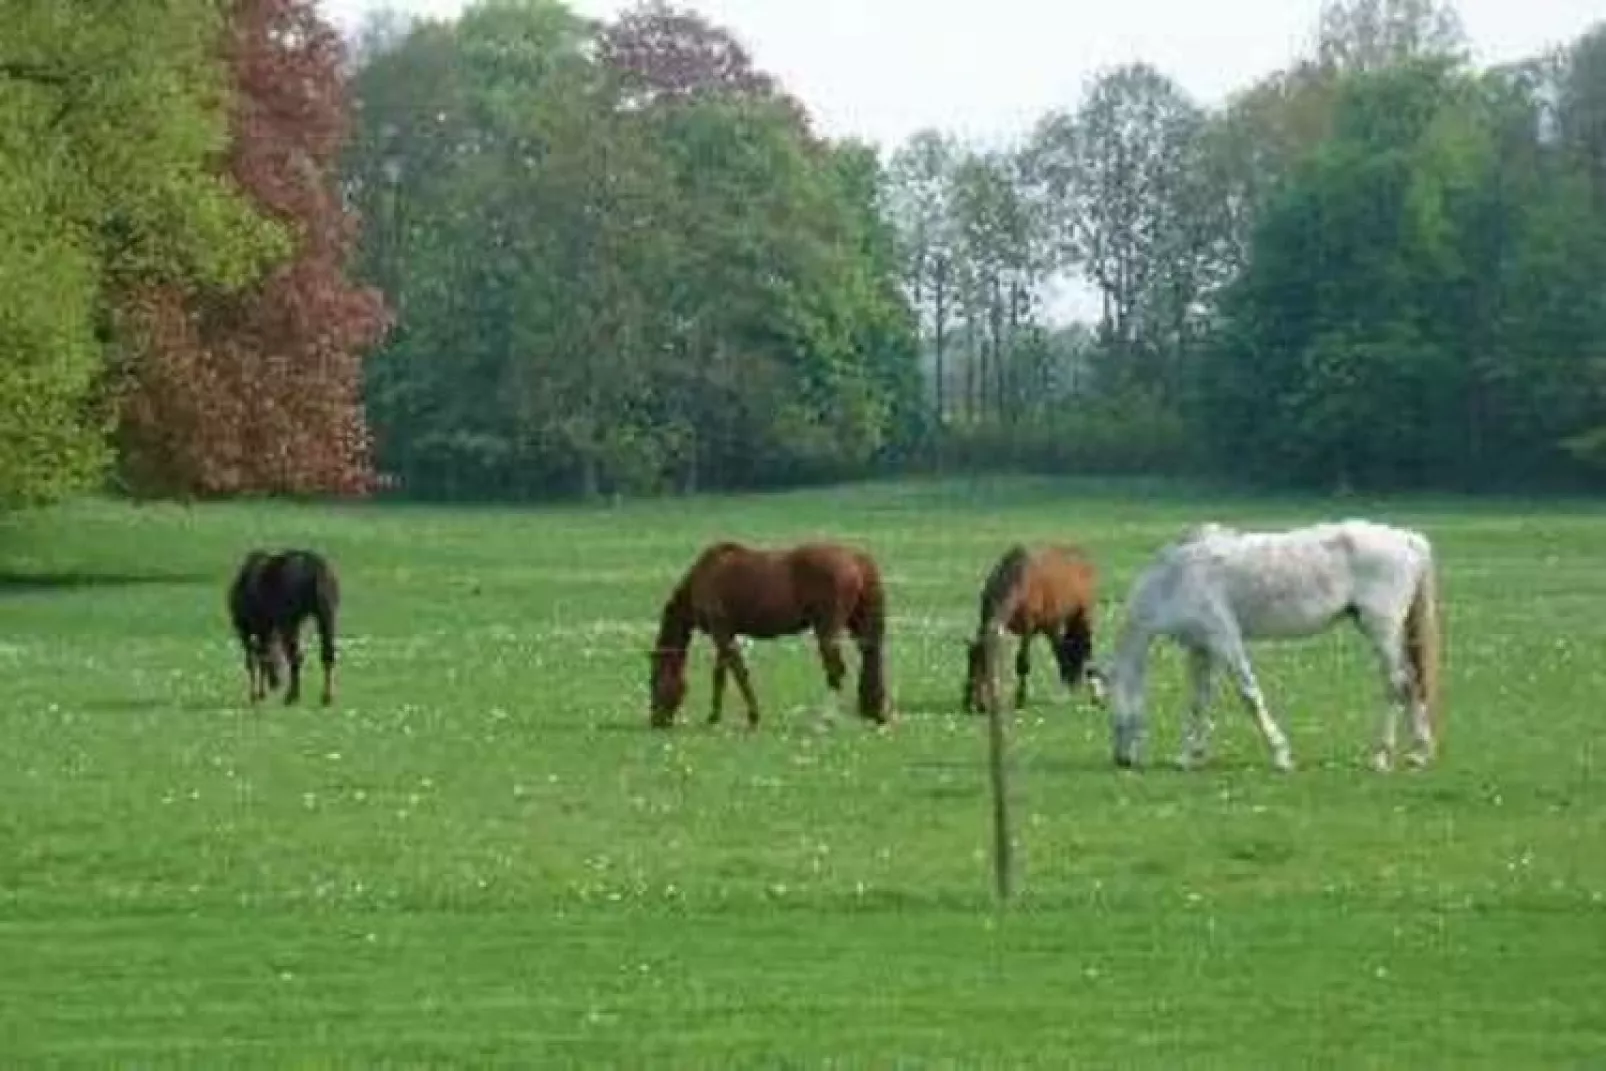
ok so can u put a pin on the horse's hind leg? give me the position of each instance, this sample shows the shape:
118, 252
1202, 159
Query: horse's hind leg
291, 640
1386, 638
1231, 651
326, 653
829, 641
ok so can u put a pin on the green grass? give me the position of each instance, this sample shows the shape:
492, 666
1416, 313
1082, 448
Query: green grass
481, 854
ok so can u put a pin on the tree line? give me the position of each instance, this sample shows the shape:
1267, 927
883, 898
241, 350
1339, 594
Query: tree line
520, 253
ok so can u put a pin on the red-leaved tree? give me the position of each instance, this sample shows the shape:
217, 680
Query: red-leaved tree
667, 54
260, 391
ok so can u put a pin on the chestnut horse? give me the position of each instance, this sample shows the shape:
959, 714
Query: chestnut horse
272, 594
733, 590
1048, 591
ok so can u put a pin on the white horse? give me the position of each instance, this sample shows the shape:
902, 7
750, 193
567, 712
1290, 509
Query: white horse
1215, 588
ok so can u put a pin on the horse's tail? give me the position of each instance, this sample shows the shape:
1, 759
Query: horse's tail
870, 628
326, 608
1423, 641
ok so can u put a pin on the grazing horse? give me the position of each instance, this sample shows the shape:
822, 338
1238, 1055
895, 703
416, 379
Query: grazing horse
1215, 588
1049, 591
733, 590
272, 594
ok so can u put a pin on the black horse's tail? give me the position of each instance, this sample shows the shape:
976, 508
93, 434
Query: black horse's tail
870, 628
325, 611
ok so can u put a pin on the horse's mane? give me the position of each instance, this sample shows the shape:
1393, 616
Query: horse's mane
1002, 581
1204, 530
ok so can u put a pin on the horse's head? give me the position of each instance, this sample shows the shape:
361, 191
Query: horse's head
269, 656
667, 684
978, 681
1072, 649
1121, 683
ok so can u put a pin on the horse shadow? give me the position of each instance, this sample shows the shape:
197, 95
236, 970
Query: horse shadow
20, 582
153, 704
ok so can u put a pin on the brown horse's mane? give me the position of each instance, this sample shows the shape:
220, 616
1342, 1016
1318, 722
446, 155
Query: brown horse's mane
675, 620
1002, 584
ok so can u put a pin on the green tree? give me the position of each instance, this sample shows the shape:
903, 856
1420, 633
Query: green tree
110, 127
1345, 357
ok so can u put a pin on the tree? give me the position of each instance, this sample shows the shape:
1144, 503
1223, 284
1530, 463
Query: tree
918, 196
109, 122
1120, 173
1581, 108
261, 390
667, 55
1001, 264
1373, 35
1352, 296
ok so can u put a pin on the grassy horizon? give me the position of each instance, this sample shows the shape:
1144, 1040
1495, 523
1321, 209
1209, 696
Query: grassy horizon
480, 854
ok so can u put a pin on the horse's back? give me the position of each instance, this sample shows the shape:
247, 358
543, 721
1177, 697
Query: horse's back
1290, 582
1030, 587
284, 587
772, 592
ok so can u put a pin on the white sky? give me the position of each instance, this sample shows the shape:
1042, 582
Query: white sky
882, 69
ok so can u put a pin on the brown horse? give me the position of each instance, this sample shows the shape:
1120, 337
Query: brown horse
1048, 591
732, 590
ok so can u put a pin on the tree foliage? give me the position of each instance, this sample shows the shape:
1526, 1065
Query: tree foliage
628, 264
110, 124
260, 389
617, 256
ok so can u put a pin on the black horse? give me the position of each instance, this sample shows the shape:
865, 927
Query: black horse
271, 596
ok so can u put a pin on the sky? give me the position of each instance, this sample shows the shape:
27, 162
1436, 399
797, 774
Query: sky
883, 69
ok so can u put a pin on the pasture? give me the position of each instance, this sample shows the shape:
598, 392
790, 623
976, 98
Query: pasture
481, 853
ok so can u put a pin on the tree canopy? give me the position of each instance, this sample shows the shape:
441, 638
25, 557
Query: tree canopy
521, 253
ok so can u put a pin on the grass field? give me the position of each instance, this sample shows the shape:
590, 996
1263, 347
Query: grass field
480, 854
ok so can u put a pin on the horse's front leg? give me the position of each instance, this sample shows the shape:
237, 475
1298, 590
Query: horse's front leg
727, 651
290, 640
1237, 659
721, 674
1023, 668
1196, 736
251, 673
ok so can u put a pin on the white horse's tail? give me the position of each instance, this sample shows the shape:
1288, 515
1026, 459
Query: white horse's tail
1423, 643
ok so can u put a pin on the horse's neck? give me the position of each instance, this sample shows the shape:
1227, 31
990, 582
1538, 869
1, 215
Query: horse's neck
1131, 655
998, 605
675, 623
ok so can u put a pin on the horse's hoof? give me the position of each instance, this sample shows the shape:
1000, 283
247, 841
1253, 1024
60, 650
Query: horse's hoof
1382, 762
1417, 761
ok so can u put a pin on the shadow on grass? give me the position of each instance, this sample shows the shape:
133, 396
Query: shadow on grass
18, 582
148, 704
